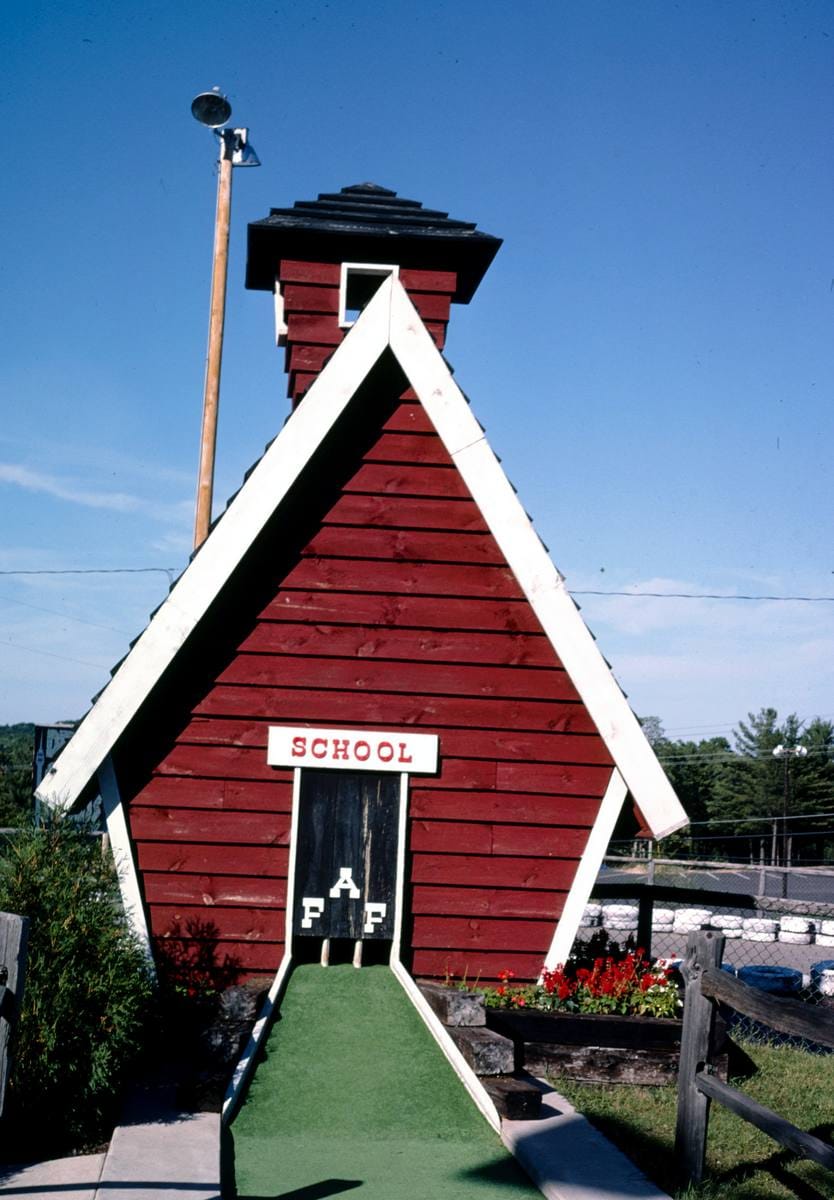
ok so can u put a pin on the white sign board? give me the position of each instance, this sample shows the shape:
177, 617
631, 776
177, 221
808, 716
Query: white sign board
351, 749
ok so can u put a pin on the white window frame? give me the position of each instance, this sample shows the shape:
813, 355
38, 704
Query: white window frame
383, 270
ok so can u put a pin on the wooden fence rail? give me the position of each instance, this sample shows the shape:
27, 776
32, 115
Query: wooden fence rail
706, 985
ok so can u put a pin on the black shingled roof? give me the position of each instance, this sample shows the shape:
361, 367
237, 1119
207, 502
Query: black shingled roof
369, 223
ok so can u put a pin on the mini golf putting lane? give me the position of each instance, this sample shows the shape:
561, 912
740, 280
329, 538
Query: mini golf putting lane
353, 1093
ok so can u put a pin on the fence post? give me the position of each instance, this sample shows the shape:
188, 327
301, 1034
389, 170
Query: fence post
645, 914
14, 932
704, 949
762, 872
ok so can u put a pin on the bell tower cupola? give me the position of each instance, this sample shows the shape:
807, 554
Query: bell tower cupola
323, 259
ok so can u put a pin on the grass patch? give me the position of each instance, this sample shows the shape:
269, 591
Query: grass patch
742, 1162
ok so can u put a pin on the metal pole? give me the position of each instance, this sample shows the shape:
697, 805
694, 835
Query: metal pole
211, 394
785, 812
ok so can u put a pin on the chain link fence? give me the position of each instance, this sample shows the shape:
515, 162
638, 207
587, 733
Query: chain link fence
778, 925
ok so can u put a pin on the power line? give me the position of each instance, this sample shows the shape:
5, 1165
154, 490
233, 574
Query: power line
747, 820
730, 755
699, 596
716, 729
52, 654
169, 571
56, 612
744, 837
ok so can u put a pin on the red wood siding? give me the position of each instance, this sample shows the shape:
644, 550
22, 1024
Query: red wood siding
310, 293
399, 611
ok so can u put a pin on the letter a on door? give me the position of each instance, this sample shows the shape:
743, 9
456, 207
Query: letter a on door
344, 883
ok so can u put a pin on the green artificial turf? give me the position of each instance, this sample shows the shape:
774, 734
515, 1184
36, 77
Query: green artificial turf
353, 1093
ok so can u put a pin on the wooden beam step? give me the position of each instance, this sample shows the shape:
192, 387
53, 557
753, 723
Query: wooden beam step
516, 1098
486, 1052
455, 1006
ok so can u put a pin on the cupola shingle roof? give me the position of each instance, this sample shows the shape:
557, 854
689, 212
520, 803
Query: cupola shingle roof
369, 223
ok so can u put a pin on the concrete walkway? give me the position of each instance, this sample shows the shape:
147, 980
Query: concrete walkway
568, 1159
76, 1178
156, 1153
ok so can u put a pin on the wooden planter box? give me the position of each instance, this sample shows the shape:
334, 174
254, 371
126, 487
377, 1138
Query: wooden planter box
595, 1048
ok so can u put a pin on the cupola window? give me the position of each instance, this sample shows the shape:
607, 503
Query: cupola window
358, 283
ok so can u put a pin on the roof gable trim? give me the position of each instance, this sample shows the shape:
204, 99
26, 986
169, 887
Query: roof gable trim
389, 320
533, 568
228, 541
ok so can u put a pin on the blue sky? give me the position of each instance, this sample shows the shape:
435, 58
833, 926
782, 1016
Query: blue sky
651, 352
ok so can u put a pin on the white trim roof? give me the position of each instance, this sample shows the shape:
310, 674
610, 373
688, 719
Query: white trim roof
389, 322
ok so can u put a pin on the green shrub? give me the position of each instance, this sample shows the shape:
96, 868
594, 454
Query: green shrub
87, 992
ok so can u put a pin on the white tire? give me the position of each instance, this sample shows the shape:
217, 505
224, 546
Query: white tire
622, 912
663, 918
825, 983
759, 925
825, 939
726, 921
795, 924
692, 918
827, 927
622, 926
592, 911
730, 934
756, 935
794, 939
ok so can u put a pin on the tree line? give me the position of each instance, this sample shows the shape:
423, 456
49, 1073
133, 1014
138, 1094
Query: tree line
745, 802
16, 751
735, 791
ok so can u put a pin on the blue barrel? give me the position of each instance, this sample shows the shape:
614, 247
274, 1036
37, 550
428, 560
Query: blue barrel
779, 981
729, 968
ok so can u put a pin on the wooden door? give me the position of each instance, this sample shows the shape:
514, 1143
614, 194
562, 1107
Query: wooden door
346, 855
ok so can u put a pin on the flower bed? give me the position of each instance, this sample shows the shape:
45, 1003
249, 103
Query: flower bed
627, 984
608, 1015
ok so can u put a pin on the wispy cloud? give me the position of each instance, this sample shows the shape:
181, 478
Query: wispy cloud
52, 485
639, 615
692, 660
180, 544
100, 459
177, 512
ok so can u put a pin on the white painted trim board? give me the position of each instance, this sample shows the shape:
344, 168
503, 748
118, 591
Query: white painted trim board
120, 846
586, 872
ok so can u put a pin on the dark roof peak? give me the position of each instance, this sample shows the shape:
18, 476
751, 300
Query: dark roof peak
369, 223
367, 189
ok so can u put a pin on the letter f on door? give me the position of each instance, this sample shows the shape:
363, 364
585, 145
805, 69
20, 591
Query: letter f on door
313, 908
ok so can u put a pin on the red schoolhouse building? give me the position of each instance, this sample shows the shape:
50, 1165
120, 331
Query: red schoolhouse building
368, 709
